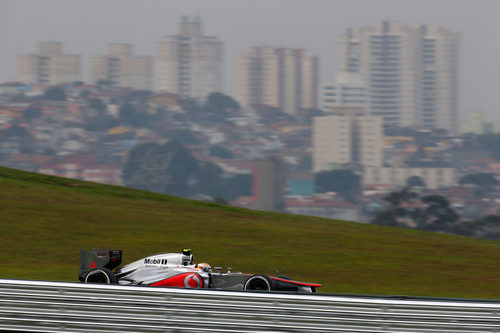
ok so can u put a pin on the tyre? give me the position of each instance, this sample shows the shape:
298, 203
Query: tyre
259, 282
101, 275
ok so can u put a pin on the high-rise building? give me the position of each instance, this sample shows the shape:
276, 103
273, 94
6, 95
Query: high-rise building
280, 77
332, 142
440, 79
122, 69
411, 72
347, 136
49, 66
269, 185
190, 63
348, 90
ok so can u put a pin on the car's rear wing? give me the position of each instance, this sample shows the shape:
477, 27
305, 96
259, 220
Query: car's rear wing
98, 258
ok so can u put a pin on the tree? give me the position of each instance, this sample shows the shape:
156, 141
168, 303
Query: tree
159, 168
386, 218
220, 102
481, 179
184, 136
236, 186
220, 201
345, 182
171, 169
134, 115
491, 143
391, 215
220, 151
415, 181
487, 227
127, 114
31, 113
97, 104
438, 215
55, 94
207, 180
396, 198
99, 119
435, 215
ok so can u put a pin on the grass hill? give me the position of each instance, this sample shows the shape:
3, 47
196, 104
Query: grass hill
45, 220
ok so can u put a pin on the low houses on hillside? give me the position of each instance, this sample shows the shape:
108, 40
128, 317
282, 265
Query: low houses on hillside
397, 177
99, 173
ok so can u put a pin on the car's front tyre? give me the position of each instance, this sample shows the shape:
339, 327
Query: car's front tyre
259, 282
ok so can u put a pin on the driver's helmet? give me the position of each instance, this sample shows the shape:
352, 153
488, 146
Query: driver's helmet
204, 266
187, 257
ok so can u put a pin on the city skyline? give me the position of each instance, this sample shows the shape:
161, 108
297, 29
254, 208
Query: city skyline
142, 25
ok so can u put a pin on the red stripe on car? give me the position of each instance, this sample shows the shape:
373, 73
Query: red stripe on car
297, 282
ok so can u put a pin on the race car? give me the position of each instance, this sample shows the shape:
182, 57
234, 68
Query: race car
177, 270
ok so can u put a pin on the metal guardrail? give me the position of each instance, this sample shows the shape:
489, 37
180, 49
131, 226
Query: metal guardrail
36, 306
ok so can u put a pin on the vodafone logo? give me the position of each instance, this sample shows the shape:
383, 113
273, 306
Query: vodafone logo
192, 281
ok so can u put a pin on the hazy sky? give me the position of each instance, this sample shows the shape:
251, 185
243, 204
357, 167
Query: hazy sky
86, 26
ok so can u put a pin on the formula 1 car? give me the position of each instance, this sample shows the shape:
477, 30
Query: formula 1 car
176, 270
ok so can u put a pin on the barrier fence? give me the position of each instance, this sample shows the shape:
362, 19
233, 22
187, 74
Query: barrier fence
36, 306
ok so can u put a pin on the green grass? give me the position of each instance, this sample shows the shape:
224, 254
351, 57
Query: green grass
46, 220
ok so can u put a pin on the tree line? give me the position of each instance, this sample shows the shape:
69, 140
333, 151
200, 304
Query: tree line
433, 212
171, 169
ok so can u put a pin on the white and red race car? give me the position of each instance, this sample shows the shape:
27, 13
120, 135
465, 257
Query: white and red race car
177, 270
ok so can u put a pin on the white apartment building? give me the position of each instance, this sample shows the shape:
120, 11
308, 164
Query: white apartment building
122, 69
284, 78
332, 142
347, 136
440, 79
433, 178
411, 72
49, 66
348, 90
189, 63
370, 136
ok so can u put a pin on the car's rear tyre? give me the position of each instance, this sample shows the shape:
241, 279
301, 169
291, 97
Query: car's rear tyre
101, 275
259, 282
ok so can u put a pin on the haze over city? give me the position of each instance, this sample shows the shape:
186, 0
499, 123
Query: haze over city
87, 27
355, 111
346, 145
